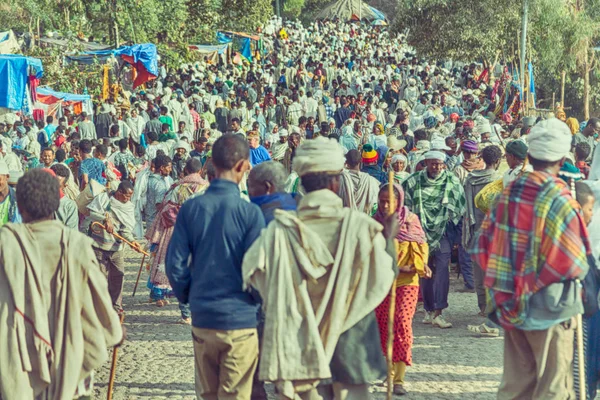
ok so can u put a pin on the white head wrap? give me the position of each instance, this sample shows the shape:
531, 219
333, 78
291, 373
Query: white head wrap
399, 157
319, 155
439, 144
434, 155
549, 140
3, 168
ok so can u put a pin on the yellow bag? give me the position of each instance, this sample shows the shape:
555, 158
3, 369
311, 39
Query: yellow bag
486, 198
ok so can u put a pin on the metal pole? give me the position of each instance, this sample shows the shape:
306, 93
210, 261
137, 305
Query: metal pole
524, 42
277, 11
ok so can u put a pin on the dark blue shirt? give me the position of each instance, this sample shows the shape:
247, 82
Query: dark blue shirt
216, 229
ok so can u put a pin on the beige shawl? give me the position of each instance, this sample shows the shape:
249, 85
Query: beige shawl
56, 316
316, 282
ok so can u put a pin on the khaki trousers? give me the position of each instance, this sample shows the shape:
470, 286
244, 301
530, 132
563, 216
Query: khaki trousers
225, 362
539, 364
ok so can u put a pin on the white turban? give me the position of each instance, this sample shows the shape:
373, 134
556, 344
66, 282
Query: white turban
319, 155
434, 155
549, 140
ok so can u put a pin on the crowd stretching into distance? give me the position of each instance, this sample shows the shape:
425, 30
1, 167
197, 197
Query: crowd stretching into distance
282, 202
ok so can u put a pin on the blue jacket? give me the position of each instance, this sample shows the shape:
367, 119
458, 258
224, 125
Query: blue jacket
216, 229
276, 201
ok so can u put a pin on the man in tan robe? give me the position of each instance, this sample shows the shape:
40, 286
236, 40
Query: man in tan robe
56, 316
321, 272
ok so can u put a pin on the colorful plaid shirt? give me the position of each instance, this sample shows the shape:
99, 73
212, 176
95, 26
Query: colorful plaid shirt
533, 238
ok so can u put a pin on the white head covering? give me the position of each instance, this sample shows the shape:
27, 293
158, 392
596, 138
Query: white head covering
319, 155
434, 155
439, 144
182, 144
549, 140
399, 157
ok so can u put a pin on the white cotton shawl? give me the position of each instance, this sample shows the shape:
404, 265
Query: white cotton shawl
311, 296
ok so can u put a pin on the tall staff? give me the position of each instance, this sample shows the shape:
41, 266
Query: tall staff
392, 310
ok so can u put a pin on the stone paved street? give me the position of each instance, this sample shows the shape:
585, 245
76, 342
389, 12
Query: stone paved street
157, 362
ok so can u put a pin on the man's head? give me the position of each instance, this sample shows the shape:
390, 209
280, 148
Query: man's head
353, 159
369, 155
267, 178
235, 124
152, 137
592, 127
165, 128
582, 151
192, 166
85, 146
492, 156
253, 139
230, 156
200, 144
38, 195
319, 163
434, 162
451, 142
100, 152
62, 173
516, 153
470, 148
47, 156
163, 165
294, 140
549, 144
124, 192
420, 134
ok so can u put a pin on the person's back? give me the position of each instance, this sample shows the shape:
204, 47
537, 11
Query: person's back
216, 229
53, 298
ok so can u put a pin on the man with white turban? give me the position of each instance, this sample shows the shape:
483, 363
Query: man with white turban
533, 247
321, 272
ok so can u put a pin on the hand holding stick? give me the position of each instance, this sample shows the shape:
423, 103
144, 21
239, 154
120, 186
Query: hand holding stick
135, 246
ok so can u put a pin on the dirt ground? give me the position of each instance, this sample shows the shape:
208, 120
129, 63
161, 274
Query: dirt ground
156, 361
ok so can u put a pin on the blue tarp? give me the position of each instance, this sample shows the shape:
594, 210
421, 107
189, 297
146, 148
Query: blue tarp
224, 37
45, 91
246, 49
14, 73
378, 13
145, 53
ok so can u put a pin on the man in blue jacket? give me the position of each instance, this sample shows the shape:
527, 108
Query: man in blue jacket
216, 229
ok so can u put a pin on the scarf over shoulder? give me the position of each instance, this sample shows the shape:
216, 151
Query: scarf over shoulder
48, 355
311, 296
534, 237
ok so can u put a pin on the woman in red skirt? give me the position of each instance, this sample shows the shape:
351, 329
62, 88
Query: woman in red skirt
413, 253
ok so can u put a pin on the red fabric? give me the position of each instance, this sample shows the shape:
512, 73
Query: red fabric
143, 75
33, 85
60, 140
38, 114
409, 226
406, 304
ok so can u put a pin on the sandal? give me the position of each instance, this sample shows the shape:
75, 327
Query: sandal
482, 314
185, 321
483, 330
162, 303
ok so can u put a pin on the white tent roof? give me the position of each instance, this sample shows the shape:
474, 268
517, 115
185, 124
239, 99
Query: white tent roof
344, 9
8, 43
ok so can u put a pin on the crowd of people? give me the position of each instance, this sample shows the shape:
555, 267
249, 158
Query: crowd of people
280, 199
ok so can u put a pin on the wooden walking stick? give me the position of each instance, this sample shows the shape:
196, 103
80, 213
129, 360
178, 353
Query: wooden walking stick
113, 366
392, 310
121, 238
138, 277
579, 333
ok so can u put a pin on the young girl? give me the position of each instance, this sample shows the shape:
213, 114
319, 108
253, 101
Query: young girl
413, 253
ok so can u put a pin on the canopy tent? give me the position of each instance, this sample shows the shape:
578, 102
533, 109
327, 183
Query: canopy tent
380, 16
210, 51
17, 74
142, 57
9, 43
52, 102
347, 10
80, 44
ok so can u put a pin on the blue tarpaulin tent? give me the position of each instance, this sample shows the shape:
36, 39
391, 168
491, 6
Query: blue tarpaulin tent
14, 75
143, 57
378, 14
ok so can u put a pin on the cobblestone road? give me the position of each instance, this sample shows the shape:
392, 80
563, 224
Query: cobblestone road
156, 361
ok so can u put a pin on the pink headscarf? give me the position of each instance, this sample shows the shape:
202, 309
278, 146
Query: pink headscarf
410, 229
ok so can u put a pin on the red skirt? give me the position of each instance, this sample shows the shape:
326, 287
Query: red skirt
406, 303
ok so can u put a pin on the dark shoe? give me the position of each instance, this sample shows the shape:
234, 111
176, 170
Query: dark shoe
466, 289
399, 390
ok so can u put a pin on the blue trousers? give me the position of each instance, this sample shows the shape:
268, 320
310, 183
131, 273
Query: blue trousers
466, 266
435, 290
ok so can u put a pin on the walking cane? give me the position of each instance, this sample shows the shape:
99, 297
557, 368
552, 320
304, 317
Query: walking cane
121, 238
579, 333
138, 277
392, 310
113, 366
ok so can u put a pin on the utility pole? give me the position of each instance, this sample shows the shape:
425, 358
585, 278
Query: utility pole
524, 44
277, 10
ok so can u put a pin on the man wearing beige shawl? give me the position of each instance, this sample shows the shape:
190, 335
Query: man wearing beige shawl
56, 316
321, 272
